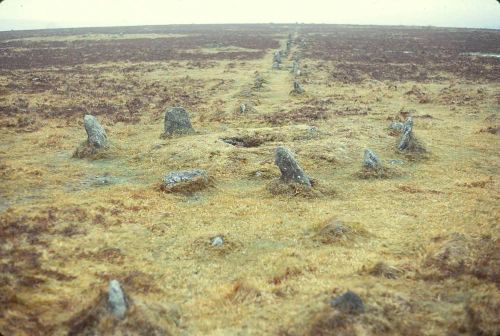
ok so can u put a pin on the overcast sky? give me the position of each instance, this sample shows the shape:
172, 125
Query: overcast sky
35, 14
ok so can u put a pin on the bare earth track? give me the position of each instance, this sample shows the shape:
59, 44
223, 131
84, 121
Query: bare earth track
420, 247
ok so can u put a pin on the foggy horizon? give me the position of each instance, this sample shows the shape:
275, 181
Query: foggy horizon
56, 14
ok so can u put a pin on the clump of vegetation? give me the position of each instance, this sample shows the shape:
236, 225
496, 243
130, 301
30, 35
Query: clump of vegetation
334, 231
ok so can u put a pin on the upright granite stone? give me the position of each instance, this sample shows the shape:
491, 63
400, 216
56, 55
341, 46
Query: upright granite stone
370, 160
96, 135
276, 66
117, 303
406, 135
291, 172
177, 122
297, 89
277, 57
295, 68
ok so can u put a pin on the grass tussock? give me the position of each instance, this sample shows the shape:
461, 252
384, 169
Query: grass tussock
379, 173
202, 247
87, 151
381, 269
334, 231
457, 255
243, 291
317, 190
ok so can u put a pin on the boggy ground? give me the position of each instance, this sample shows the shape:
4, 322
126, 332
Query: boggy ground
420, 247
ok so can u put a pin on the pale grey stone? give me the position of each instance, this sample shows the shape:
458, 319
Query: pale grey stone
96, 135
406, 134
370, 160
117, 303
173, 178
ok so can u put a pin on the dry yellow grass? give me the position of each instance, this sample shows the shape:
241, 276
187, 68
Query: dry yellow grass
273, 276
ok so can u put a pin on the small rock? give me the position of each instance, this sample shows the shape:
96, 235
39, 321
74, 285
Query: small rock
370, 160
177, 122
397, 126
289, 167
396, 162
407, 134
349, 303
96, 135
117, 303
217, 241
312, 132
297, 89
243, 108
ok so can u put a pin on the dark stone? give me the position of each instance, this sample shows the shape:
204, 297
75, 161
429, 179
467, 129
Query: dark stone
297, 88
289, 167
96, 135
177, 122
370, 160
117, 302
406, 135
349, 303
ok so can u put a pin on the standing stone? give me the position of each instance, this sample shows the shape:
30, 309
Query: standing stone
370, 160
289, 167
243, 108
259, 81
277, 57
295, 68
406, 135
297, 88
117, 303
177, 122
96, 135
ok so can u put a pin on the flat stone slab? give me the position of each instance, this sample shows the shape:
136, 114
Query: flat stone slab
186, 180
